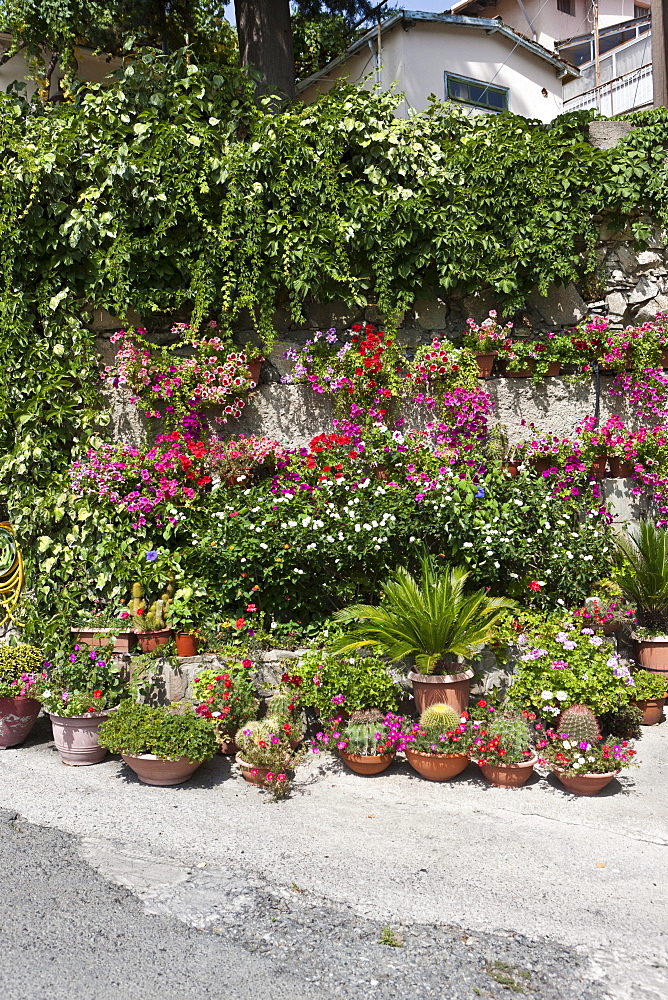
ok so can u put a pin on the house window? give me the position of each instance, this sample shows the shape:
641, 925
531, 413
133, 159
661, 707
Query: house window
475, 92
639, 11
566, 7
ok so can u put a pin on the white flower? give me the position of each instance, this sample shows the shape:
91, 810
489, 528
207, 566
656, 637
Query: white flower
46, 694
561, 696
467, 545
546, 695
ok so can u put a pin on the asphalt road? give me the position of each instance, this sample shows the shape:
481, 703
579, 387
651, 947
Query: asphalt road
68, 933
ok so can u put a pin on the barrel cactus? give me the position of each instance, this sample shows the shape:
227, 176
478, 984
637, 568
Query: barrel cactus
579, 723
361, 738
439, 717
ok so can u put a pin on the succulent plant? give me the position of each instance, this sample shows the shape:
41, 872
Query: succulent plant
579, 723
441, 717
137, 605
514, 733
362, 737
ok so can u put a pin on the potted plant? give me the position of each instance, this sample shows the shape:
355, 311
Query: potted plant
651, 691
503, 746
485, 340
334, 684
643, 580
265, 755
228, 699
497, 448
150, 623
366, 743
79, 695
438, 746
234, 460
579, 758
164, 745
182, 616
102, 627
20, 668
431, 620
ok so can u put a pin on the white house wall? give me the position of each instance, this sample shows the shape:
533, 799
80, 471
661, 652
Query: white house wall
92, 68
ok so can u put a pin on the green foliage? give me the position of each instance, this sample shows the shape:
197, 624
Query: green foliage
228, 698
643, 575
169, 732
15, 661
363, 682
87, 680
579, 723
265, 743
513, 733
427, 620
361, 737
439, 718
624, 723
316, 40
649, 685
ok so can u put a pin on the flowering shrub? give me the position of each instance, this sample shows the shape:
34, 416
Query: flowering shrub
487, 336
175, 389
234, 459
87, 682
228, 699
352, 683
582, 757
20, 669
562, 664
266, 744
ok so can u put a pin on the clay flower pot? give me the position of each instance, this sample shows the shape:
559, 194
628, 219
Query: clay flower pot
652, 710
619, 469
525, 372
76, 738
254, 371
186, 644
511, 469
17, 717
653, 654
509, 775
449, 689
251, 773
597, 467
437, 766
485, 364
154, 770
151, 640
541, 463
125, 642
584, 784
363, 764
553, 369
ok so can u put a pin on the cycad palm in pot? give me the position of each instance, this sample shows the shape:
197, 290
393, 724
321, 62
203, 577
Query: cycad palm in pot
431, 620
643, 580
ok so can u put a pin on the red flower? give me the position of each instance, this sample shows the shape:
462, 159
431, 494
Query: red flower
251, 608
125, 614
97, 694
240, 622
141, 611
534, 585
287, 728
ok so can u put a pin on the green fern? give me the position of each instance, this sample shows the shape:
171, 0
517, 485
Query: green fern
427, 619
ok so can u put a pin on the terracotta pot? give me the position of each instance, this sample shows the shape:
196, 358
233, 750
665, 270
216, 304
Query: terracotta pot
553, 369
17, 717
251, 773
597, 467
509, 775
609, 628
151, 640
254, 370
76, 738
362, 764
653, 655
652, 710
485, 364
186, 644
584, 784
449, 689
154, 770
227, 746
542, 464
437, 766
664, 358
619, 469
526, 372
241, 478
125, 642
511, 468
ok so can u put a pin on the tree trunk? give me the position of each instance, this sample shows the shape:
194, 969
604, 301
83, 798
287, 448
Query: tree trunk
265, 42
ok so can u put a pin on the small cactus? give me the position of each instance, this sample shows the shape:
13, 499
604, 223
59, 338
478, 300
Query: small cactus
137, 606
362, 737
579, 723
440, 717
514, 732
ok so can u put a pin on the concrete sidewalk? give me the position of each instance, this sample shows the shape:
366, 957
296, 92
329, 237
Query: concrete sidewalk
587, 873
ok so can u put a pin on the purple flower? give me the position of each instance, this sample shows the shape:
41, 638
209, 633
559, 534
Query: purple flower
151, 556
569, 644
72, 657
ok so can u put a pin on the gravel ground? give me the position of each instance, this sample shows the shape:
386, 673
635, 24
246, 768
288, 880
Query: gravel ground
69, 932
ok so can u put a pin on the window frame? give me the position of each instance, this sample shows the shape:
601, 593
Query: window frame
571, 12
505, 91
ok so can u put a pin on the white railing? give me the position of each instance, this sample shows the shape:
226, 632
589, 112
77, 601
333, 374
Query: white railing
632, 90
